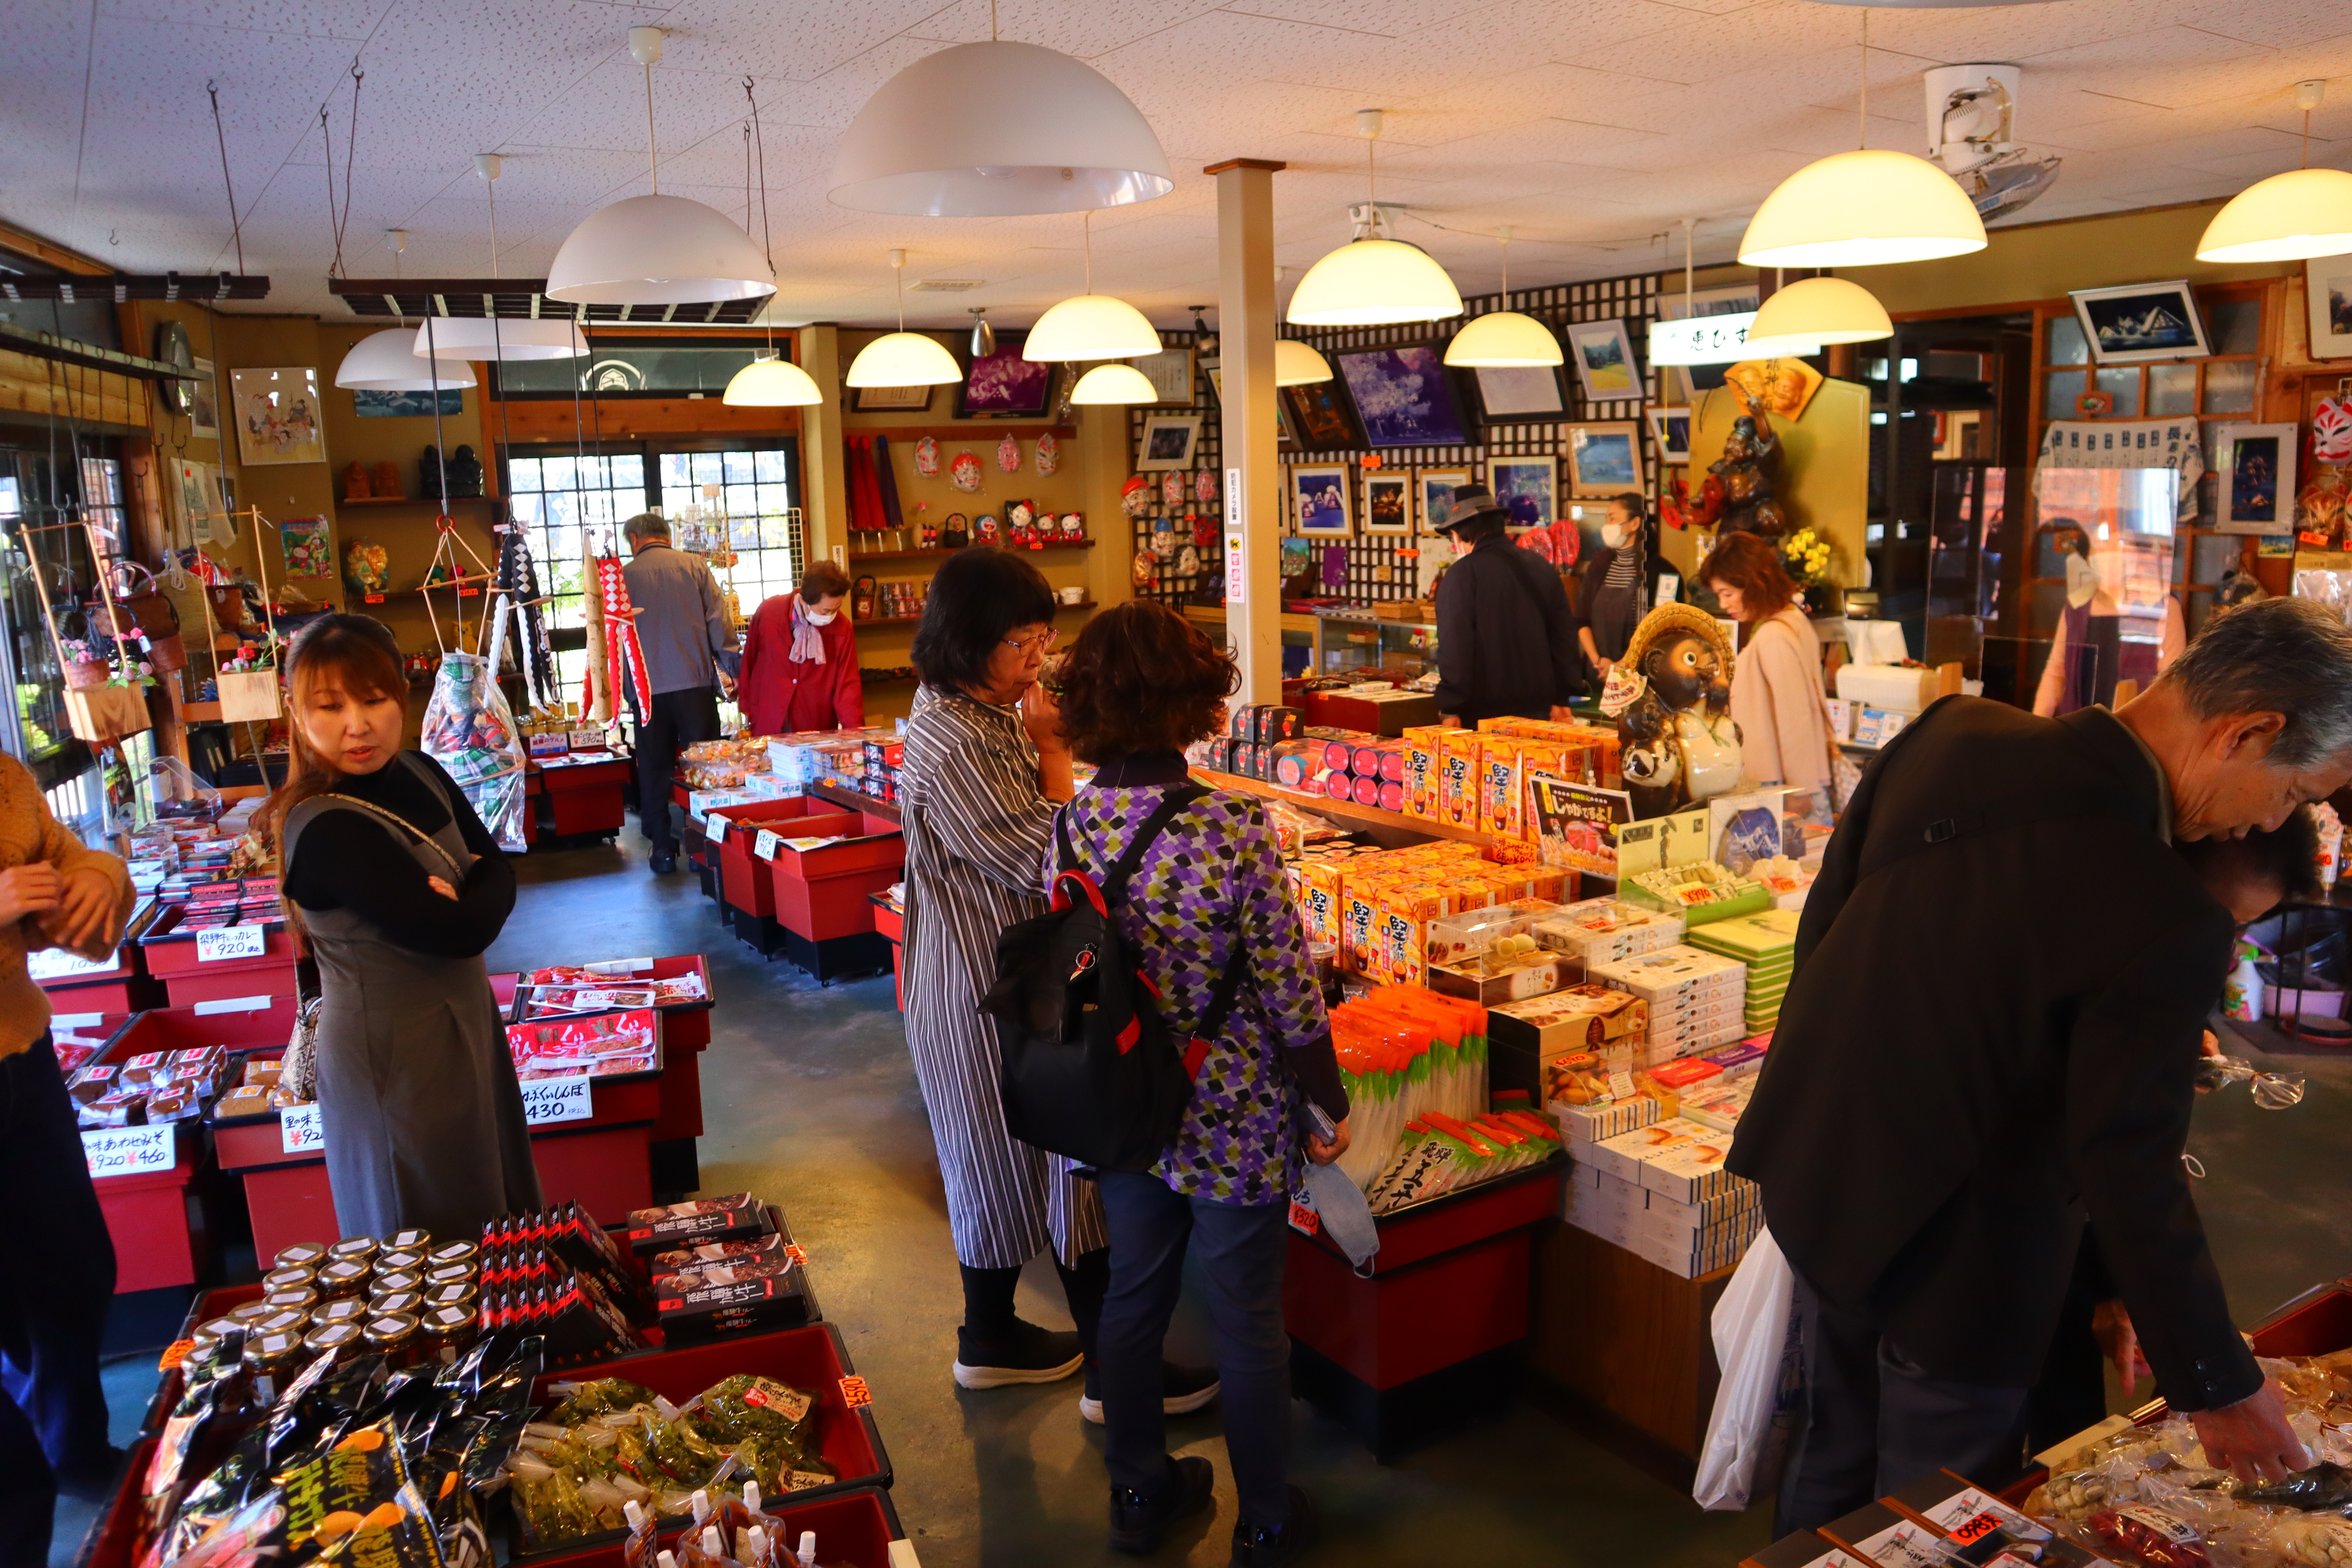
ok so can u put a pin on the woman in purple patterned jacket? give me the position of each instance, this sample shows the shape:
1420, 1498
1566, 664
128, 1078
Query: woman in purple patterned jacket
1141, 684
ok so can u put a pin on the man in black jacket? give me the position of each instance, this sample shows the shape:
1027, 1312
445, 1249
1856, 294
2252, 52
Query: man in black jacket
1506, 636
2002, 976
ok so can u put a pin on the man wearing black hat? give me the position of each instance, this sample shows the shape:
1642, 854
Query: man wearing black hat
1506, 636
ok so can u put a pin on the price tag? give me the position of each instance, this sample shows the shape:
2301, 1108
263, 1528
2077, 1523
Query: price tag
547, 745
766, 845
229, 941
586, 740
127, 1151
1621, 1085
1304, 1219
714, 827
234, 1004
796, 1254
370, 598
57, 963
557, 1099
299, 1131
855, 1393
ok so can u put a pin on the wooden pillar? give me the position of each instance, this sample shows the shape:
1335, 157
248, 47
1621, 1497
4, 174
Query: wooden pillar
1245, 334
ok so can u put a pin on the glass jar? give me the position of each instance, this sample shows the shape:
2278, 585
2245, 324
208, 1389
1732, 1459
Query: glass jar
277, 1321
357, 1249
449, 1273
455, 1293
343, 1310
272, 1359
409, 1302
401, 1261
395, 1280
344, 1276
464, 1252
292, 1277
409, 1240
392, 1335
251, 1312
340, 1340
301, 1255
302, 1300
446, 1332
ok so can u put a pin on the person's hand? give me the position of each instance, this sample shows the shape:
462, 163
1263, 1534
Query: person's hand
1322, 1150
1561, 713
30, 889
1604, 664
441, 887
2251, 1439
726, 685
2111, 1324
2211, 1044
1042, 717
85, 909
1450, 721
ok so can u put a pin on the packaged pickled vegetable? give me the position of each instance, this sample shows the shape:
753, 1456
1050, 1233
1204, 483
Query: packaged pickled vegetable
2147, 1536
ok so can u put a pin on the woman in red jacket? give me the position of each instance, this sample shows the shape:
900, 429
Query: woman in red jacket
800, 660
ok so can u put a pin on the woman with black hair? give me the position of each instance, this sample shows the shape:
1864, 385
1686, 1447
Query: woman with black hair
985, 766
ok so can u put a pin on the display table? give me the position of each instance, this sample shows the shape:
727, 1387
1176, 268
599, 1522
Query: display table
1428, 1342
583, 791
1388, 827
743, 856
820, 895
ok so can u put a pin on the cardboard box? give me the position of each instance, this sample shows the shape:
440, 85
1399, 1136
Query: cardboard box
1500, 811
1582, 1124
1581, 1018
1457, 779
1691, 1170
1425, 747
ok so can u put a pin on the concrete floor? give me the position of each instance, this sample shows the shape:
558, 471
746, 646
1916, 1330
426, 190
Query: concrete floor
808, 1100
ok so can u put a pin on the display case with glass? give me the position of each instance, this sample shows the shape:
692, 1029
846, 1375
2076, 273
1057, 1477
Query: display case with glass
1349, 641
2108, 536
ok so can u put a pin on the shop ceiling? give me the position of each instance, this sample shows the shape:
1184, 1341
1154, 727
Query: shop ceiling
1591, 127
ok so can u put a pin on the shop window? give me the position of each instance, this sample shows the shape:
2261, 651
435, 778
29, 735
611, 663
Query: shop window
2121, 383
2171, 390
2060, 388
2067, 345
2229, 388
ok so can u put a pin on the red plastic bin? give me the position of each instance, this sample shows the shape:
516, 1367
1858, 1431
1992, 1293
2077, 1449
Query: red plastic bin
742, 877
822, 893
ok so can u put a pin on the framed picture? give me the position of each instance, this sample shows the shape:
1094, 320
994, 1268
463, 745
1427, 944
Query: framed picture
2328, 290
1169, 441
1732, 300
1387, 502
1436, 487
1603, 355
1604, 459
2255, 464
369, 404
1285, 441
277, 414
1403, 397
1319, 495
1527, 487
1321, 418
305, 548
1518, 393
1170, 372
204, 403
1003, 385
891, 399
1670, 427
2133, 323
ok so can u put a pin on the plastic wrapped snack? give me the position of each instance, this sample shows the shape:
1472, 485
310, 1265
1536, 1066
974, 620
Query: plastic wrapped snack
2318, 1540
2147, 1536
470, 732
2324, 1487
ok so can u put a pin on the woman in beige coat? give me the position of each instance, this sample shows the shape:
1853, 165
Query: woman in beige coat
1775, 688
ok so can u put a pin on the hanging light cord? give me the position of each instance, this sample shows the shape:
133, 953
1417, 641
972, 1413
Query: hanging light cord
2307, 139
1862, 119
992, 21
767, 238
1091, 249
899, 272
235, 228
494, 241
653, 157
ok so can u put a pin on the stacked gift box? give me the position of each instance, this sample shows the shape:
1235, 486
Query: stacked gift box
1766, 942
1694, 998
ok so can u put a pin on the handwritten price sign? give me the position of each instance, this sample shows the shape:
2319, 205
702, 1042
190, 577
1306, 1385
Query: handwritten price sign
855, 1393
229, 941
557, 1099
299, 1131
127, 1151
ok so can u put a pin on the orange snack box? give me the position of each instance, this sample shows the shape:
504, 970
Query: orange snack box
1457, 779
1424, 746
1499, 812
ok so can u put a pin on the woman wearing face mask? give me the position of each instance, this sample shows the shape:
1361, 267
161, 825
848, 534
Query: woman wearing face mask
800, 660
1775, 688
1609, 592
397, 889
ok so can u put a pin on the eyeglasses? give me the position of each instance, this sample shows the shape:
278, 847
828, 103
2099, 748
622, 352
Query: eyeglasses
1037, 644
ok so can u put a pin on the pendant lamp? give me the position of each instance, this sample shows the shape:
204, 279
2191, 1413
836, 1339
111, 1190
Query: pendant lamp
903, 358
775, 383
1114, 383
383, 362
1801, 316
1092, 325
1864, 208
476, 337
1298, 364
656, 250
1371, 282
2293, 217
997, 129
1504, 337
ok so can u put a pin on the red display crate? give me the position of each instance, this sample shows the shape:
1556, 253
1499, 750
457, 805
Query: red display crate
891, 923
170, 957
822, 893
686, 1033
584, 791
75, 985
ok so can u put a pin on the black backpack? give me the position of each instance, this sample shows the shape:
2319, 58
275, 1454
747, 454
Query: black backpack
1089, 1069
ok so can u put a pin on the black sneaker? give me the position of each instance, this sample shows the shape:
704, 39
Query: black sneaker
661, 862
1183, 1389
95, 1479
1032, 1356
1138, 1522
1255, 1546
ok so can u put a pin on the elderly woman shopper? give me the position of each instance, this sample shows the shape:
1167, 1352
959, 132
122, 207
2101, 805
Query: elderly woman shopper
800, 660
1208, 913
984, 766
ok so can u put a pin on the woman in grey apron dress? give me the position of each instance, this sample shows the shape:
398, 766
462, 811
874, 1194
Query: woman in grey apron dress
400, 889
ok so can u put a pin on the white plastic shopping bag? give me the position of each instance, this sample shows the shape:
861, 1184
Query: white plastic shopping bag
1757, 1346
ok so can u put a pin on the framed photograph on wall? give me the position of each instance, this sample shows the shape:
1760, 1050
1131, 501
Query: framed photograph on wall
1404, 396
1435, 487
1604, 459
1286, 442
1003, 385
1603, 355
2133, 323
1519, 393
1321, 417
2327, 287
1170, 372
1670, 427
892, 399
1527, 487
1169, 441
1319, 501
277, 414
2255, 467
1387, 501
204, 403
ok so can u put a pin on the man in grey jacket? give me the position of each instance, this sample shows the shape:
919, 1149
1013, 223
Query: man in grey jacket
682, 627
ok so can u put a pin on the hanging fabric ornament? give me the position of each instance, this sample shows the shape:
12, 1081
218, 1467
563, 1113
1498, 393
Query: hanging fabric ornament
927, 459
519, 581
1008, 455
963, 473
1143, 568
2331, 430
1049, 453
1204, 486
1172, 487
1135, 495
624, 657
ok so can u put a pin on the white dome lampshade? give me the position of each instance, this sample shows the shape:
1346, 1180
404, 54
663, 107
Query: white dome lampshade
1802, 316
474, 337
1864, 208
904, 359
1504, 338
997, 129
771, 383
1298, 364
658, 251
1091, 326
2287, 217
1370, 282
381, 362
1114, 384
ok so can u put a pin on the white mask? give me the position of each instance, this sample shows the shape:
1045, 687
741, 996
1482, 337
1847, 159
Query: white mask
1613, 535
819, 617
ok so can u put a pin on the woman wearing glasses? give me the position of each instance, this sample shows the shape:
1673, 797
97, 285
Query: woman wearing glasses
985, 766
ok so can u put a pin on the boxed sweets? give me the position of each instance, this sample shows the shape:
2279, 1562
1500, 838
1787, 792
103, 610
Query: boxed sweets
1490, 956
1601, 931
1700, 891
697, 1221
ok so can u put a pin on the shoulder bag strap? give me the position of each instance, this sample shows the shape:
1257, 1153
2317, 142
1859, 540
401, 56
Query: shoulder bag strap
399, 822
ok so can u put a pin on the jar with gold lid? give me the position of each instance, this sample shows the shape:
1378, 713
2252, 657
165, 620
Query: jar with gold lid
340, 1340
445, 1333
392, 1335
273, 1357
344, 1276
356, 1249
343, 1310
398, 1259
301, 1255
408, 1301
292, 1277
301, 1299
412, 1240
456, 1252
